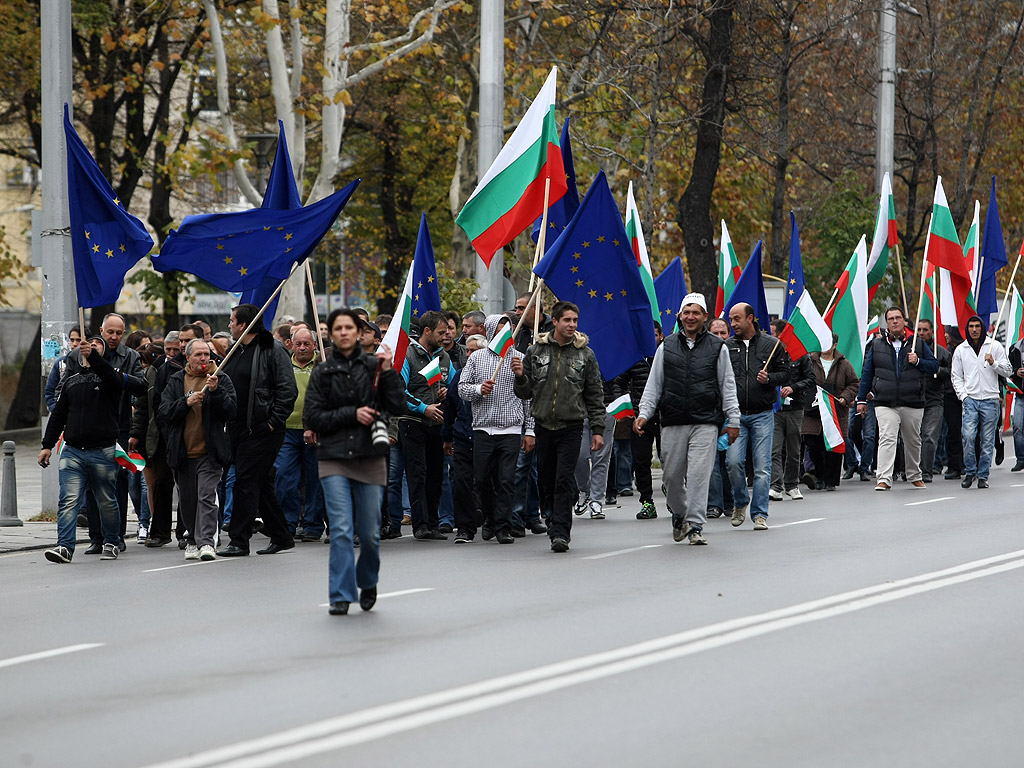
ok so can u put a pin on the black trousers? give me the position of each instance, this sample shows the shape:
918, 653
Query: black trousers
423, 449
827, 464
494, 463
952, 410
162, 491
464, 495
254, 494
557, 453
643, 453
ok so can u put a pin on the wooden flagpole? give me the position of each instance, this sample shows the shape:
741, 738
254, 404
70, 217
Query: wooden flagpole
542, 238
316, 312
899, 266
257, 319
82, 334
920, 300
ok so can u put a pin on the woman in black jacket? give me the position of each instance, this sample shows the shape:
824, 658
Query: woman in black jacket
346, 393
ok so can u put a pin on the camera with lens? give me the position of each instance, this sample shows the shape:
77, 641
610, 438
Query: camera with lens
379, 437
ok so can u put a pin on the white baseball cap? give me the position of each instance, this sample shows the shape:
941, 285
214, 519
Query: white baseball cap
694, 298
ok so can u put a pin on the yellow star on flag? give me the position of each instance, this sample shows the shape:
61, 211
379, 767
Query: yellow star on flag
575, 269
616, 243
87, 234
430, 279
600, 238
110, 253
122, 248
220, 247
623, 291
228, 259
419, 284
586, 243
243, 271
593, 294
577, 255
579, 283
608, 297
96, 249
288, 236
117, 201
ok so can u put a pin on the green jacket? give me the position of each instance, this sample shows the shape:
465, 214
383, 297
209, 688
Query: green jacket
564, 383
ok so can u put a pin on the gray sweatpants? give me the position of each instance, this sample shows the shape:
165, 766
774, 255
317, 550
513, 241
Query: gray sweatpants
197, 485
687, 453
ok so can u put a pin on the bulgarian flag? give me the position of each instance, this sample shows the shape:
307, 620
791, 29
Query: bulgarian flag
621, 407
942, 248
872, 327
510, 195
431, 372
806, 331
848, 317
636, 240
884, 240
831, 431
947, 301
133, 462
1014, 319
397, 336
502, 341
728, 271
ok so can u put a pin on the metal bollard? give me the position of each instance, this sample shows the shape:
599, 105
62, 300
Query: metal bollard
9, 489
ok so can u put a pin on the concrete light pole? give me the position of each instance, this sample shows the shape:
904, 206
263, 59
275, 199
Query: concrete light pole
60, 303
886, 91
492, 121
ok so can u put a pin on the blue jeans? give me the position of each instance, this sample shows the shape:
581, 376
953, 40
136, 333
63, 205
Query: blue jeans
526, 501
97, 470
352, 506
758, 429
139, 494
980, 418
719, 492
397, 495
294, 459
868, 429
446, 507
227, 493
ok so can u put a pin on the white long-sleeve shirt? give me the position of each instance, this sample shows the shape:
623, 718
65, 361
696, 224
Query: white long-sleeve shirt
973, 377
726, 385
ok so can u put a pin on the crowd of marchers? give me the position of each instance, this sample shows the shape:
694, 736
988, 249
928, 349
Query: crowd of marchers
307, 433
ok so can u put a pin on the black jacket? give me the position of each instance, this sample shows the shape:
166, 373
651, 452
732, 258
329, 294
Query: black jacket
128, 363
338, 387
747, 362
633, 381
218, 410
896, 384
87, 405
690, 393
936, 385
272, 388
802, 381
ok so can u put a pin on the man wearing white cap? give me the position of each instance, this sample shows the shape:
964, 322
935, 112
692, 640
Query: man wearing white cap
691, 384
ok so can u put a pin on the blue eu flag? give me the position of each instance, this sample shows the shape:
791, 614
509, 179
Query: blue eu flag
236, 251
750, 290
993, 258
425, 293
795, 285
593, 266
106, 240
282, 194
670, 287
565, 208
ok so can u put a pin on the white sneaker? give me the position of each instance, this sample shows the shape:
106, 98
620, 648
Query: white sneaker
775, 495
206, 552
596, 511
143, 534
739, 514
191, 552
582, 505
794, 494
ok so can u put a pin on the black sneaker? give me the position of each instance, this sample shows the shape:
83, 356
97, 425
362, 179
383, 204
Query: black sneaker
436, 535
110, 552
715, 512
504, 537
422, 534
518, 532
58, 554
487, 533
848, 474
558, 544
537, 526
367, 598
626, 492
982, 482
95, 548
967, 482
463, 537
445, 528
1018, 466
678, 528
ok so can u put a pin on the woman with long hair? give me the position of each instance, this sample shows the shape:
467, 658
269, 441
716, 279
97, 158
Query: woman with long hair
347, 399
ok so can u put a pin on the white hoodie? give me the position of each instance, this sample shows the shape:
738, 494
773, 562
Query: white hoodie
973, 377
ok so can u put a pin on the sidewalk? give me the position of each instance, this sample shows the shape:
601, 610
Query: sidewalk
29, 478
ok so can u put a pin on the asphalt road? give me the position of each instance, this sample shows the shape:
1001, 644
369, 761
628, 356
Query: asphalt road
861, 629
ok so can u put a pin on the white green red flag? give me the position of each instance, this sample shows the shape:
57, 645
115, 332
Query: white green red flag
831, 431
622, 407
930, 307
502, 341
885, 238
947, 301
133, 462
397, 336
636, 240
728, 271
431, 372
848, 317
806, 330
942, 248
872, 327
1014, 319
510, 195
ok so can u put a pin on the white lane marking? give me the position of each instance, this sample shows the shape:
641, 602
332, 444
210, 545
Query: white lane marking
185, 565
800, 522
1018, 485
378, 722
928, 501
622, 552
398, 593
47, 654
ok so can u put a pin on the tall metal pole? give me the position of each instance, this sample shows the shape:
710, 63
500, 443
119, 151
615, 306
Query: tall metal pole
492, 120
60, 302
886, 91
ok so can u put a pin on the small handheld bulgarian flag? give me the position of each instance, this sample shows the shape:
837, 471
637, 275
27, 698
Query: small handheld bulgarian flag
502, 341
133, 462
431, 372
621, 407
831, 432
